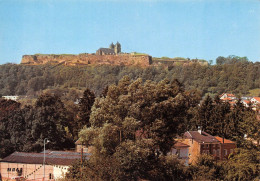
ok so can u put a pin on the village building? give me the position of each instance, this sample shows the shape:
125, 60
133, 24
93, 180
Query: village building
30, 165
201, 142
230, 98
227, 147
14, 98
227, 96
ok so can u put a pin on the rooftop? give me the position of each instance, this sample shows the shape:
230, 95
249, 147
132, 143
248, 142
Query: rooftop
225, 140
202, 137
180, 145
51, 157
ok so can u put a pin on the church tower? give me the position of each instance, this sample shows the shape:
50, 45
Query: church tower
112, 46
117, 48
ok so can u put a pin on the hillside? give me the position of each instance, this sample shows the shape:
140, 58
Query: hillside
238, 78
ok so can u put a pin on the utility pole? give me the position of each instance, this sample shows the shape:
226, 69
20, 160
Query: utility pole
44, 142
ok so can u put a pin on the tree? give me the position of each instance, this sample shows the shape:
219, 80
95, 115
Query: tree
204, 113
206, 168
243, 165
9, 126
133, 128
49, 122
85, 105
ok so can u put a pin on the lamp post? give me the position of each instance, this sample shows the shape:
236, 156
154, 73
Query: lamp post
44, 142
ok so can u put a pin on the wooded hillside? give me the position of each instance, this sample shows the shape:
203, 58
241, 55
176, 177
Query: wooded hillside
238, 78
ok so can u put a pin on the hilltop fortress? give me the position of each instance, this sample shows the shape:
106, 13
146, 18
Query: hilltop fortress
109, 56
104, 56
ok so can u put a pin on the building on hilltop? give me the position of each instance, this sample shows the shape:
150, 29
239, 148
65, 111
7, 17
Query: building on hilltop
112, 50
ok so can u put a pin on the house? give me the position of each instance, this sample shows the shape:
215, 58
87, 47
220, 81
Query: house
255, 101
230, 98
30, 165
227, 96
14, 98
201, 142
245, 102
227, 147
182, 151
82, 148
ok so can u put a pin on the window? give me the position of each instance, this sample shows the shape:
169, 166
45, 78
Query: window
225, 152
202, 146
178, 152
50, 176
13, 169
217, 152
214, 152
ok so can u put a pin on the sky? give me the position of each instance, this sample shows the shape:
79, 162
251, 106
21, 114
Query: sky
203, 29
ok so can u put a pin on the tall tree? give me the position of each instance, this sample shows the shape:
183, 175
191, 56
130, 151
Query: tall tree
85, 105
134, 127
49, 122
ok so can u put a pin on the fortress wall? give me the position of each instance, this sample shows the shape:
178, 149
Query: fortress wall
86, 59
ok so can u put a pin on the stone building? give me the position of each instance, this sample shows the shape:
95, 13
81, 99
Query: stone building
112, 50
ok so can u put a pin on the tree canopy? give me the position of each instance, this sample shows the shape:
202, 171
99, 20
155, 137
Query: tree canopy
134, 127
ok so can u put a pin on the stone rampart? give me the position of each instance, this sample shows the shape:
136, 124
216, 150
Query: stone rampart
88, 59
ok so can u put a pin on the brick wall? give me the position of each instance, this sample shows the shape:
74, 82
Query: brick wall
194, 149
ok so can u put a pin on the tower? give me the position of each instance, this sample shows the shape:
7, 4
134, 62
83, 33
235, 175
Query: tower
112, 46
117, 48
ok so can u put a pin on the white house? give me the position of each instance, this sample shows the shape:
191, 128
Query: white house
14, 98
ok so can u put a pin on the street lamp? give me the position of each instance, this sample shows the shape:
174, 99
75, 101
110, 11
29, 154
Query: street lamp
44, 142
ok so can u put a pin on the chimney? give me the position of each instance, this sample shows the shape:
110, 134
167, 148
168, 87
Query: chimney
199, 129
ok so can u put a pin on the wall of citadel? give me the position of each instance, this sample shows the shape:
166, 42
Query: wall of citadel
88, 59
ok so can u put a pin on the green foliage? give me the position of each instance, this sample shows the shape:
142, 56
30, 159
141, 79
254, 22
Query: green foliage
231, 59
80, 118
24, 129
206, 168
137, 53
243, 165
238, 78
218, 118
156, 111
254, 92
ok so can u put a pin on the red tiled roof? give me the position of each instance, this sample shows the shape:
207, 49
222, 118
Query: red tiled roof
51, 157
201, 138
246, 101
179, 145
257, 98
228, 95
229, 99
231, 95
225, 140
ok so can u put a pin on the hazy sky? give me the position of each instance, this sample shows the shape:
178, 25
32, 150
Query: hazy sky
175, 28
